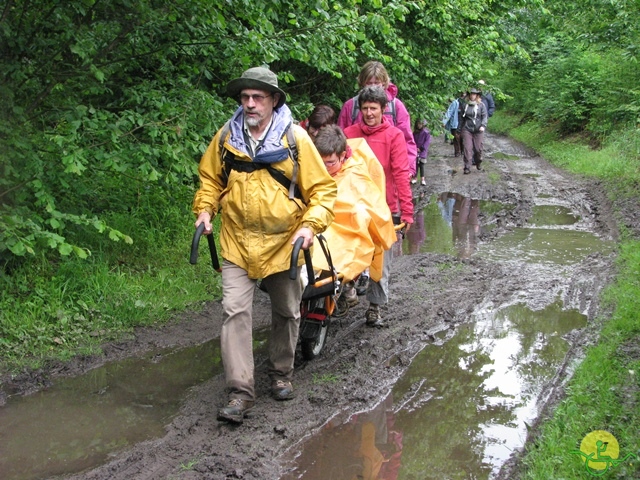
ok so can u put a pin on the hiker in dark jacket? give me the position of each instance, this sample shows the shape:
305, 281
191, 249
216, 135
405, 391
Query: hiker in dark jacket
487, 99
472, 124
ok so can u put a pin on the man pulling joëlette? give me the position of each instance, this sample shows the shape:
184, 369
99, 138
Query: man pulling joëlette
260, 223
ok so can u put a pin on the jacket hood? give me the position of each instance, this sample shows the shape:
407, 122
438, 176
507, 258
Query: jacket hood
273, 149
392, 91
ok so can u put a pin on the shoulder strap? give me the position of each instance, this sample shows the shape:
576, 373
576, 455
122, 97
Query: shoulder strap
392, 110
225, 155
229, 163
355, 109
224, 131
294, 190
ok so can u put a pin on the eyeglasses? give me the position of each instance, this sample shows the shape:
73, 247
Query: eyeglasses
333, 162
257, 97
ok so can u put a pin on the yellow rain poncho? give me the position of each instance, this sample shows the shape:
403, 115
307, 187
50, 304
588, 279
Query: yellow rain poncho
362, 228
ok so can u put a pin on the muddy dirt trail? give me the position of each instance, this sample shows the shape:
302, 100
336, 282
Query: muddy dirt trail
431, 295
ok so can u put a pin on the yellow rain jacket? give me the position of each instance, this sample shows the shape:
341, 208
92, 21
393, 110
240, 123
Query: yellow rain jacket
362, 228
258, 218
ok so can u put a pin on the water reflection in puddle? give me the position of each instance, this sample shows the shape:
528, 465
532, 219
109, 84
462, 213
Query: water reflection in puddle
463, 407
544, 246
79, 421
459, 410
450, 225
552, 215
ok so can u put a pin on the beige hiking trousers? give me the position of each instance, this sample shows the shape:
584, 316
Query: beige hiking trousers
236, 339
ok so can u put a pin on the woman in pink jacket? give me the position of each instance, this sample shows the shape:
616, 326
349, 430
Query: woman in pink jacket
389, 146
374, 73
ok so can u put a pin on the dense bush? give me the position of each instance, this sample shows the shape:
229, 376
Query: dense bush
101, 98
583, 74
108, 105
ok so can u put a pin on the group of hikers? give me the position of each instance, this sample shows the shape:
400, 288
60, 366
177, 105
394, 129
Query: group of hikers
273, 181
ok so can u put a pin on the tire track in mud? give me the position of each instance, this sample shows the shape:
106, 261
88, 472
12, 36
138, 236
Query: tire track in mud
364, 363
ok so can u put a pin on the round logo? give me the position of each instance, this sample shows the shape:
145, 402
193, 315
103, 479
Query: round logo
599, 448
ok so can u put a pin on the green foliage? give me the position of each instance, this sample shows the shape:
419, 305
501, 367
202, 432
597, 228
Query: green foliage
54, 309
117, 95
582, 75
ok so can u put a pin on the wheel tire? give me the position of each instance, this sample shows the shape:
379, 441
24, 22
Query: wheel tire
312, 347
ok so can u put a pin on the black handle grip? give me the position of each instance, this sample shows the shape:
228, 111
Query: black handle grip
195, 243
293, 266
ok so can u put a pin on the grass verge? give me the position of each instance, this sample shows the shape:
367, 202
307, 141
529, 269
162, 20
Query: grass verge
604, 392
58, 308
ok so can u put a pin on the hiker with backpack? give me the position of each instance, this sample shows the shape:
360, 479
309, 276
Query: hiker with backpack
450, 123
264, 176
390, 148
472, 122
374, 73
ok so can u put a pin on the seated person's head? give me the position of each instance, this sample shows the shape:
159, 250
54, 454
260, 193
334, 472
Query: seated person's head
320, 116
331, 144
373, 73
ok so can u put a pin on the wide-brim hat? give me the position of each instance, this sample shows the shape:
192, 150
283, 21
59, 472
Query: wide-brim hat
474, 90
258, 78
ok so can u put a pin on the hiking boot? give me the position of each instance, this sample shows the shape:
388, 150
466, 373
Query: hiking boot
282, 390
478, 165
373, 316
363, 282
466, 171
235, 411
350, 294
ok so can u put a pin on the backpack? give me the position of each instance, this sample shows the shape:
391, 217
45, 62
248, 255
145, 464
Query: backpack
391, 105
230, 163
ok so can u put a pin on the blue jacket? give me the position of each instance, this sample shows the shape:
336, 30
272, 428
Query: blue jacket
450, 120
488, 101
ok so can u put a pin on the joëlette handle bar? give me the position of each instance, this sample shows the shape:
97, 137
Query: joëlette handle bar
293, 267
212, 248
399, 225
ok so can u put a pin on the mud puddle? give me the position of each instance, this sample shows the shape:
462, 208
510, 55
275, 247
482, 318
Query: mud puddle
460, 409
80, 421
466, 402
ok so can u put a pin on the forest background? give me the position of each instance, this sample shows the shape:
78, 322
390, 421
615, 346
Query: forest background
108, 106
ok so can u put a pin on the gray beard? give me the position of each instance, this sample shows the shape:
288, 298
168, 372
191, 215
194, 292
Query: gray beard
252, 122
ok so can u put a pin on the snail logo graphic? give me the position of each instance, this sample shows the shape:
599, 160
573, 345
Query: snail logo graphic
600, 451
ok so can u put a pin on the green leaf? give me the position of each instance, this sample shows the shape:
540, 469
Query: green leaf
65, 249
80, 252
18, 248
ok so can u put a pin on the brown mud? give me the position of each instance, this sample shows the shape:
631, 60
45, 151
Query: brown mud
424, 299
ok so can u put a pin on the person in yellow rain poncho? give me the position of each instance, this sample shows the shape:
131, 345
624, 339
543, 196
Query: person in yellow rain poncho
362, 228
